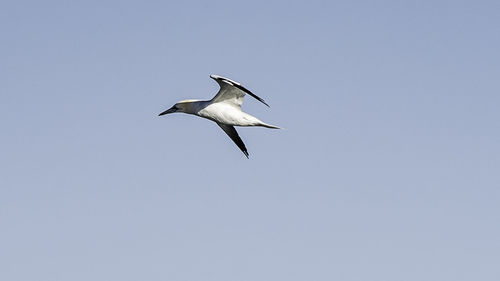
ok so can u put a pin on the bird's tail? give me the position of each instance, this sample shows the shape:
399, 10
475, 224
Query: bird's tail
269, 126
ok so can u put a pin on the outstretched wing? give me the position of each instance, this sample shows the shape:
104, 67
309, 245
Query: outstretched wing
231, 132
232, 92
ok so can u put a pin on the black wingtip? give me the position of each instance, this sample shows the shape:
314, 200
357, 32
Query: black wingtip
250, 93
239, 86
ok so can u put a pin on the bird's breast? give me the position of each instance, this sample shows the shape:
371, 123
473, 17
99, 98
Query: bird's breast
225, 114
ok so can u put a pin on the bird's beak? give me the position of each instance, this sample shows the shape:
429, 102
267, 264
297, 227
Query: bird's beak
171, 110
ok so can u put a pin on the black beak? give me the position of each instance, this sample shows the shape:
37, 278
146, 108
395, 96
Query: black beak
171, 110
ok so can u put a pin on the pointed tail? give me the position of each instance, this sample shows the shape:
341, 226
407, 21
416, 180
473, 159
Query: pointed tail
269, 126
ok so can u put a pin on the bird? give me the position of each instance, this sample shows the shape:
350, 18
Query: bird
224, 109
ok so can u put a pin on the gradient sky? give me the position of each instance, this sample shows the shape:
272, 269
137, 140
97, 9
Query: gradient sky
387, 169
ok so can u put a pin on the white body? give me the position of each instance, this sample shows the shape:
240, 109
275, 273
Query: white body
224, 113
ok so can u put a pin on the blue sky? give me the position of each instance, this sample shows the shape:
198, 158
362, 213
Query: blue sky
387, 168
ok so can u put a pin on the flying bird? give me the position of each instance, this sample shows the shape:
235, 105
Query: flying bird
224, 109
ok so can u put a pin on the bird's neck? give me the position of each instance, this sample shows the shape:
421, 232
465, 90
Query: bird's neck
194, 106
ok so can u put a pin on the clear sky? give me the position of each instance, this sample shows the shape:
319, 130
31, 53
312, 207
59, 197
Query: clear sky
388, 167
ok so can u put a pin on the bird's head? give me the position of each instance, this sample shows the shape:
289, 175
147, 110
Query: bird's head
184, 106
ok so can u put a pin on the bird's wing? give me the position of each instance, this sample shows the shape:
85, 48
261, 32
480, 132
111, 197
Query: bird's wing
231, 132
232, 92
